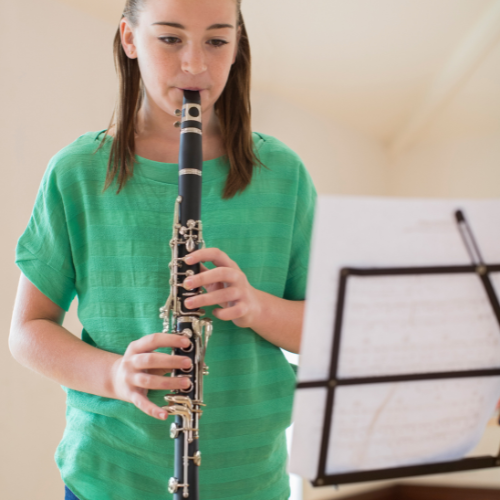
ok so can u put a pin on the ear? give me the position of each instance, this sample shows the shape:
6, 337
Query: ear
238, 37
127, 36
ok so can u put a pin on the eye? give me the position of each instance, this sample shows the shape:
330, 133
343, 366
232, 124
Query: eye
170, 40
217, 42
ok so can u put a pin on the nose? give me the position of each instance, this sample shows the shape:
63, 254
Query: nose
193, 60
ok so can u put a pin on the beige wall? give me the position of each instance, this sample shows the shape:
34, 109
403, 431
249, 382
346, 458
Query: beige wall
461, 167
58, 82
340, 159
458, 153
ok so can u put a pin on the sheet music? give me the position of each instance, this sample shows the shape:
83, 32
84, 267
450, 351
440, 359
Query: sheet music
404, 324
396, 325
388, 425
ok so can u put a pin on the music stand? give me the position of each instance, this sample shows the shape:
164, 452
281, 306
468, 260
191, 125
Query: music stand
479, 268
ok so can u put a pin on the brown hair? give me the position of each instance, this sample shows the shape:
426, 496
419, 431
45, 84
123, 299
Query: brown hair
232, 108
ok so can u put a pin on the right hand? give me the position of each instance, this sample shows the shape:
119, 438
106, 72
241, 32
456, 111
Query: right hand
140, 370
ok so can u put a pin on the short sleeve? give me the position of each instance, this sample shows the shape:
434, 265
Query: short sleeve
295, 287
43, 251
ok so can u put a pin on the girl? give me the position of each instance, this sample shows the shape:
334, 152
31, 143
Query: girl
112, 250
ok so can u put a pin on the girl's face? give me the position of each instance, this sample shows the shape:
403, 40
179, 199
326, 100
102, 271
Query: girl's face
183, 44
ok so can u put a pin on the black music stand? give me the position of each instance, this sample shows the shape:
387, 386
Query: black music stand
479, 268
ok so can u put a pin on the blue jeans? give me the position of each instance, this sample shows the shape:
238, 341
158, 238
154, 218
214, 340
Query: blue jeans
68, 494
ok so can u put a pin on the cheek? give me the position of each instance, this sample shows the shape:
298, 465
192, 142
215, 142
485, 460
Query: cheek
156, 67
221, 67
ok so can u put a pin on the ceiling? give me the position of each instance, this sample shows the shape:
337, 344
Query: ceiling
365, 63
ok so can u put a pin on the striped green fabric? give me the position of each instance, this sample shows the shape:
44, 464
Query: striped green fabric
112, 251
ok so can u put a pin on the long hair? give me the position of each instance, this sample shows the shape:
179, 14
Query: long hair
232, 108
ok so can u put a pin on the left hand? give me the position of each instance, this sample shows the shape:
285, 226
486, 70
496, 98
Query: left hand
226, 285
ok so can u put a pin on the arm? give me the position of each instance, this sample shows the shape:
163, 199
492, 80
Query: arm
279, 321
38, 341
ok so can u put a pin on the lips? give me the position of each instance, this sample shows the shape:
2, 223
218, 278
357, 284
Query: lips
194, 89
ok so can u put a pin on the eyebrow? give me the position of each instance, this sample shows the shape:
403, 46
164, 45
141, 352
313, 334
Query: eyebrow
181, 27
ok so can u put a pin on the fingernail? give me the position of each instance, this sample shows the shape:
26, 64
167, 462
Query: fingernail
188, 284
185, 342
186, 383
188, 259
163, 415
189, 302
186, 363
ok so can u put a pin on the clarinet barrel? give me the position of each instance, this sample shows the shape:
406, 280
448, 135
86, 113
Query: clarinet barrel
187, 236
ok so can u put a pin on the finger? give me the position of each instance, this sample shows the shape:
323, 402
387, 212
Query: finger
146, 406
217, 275
231, 313
153, 382
159, 372
212, 298
154, 360
154, 341
203, 269
213, 287
214, 255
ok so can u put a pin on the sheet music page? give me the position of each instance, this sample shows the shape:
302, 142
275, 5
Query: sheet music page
397, 325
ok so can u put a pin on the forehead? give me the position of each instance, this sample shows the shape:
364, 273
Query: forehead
192, 14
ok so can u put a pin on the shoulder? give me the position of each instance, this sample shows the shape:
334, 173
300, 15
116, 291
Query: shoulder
270, 148
80, 150
74, 160
280, 160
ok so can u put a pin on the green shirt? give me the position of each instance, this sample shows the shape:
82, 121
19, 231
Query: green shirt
112, 251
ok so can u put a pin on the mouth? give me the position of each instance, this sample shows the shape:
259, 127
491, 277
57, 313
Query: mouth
193, 89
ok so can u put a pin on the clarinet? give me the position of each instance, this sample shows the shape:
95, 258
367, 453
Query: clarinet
187, 237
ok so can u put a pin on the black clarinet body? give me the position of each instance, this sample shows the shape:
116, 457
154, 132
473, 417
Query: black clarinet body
187, 237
